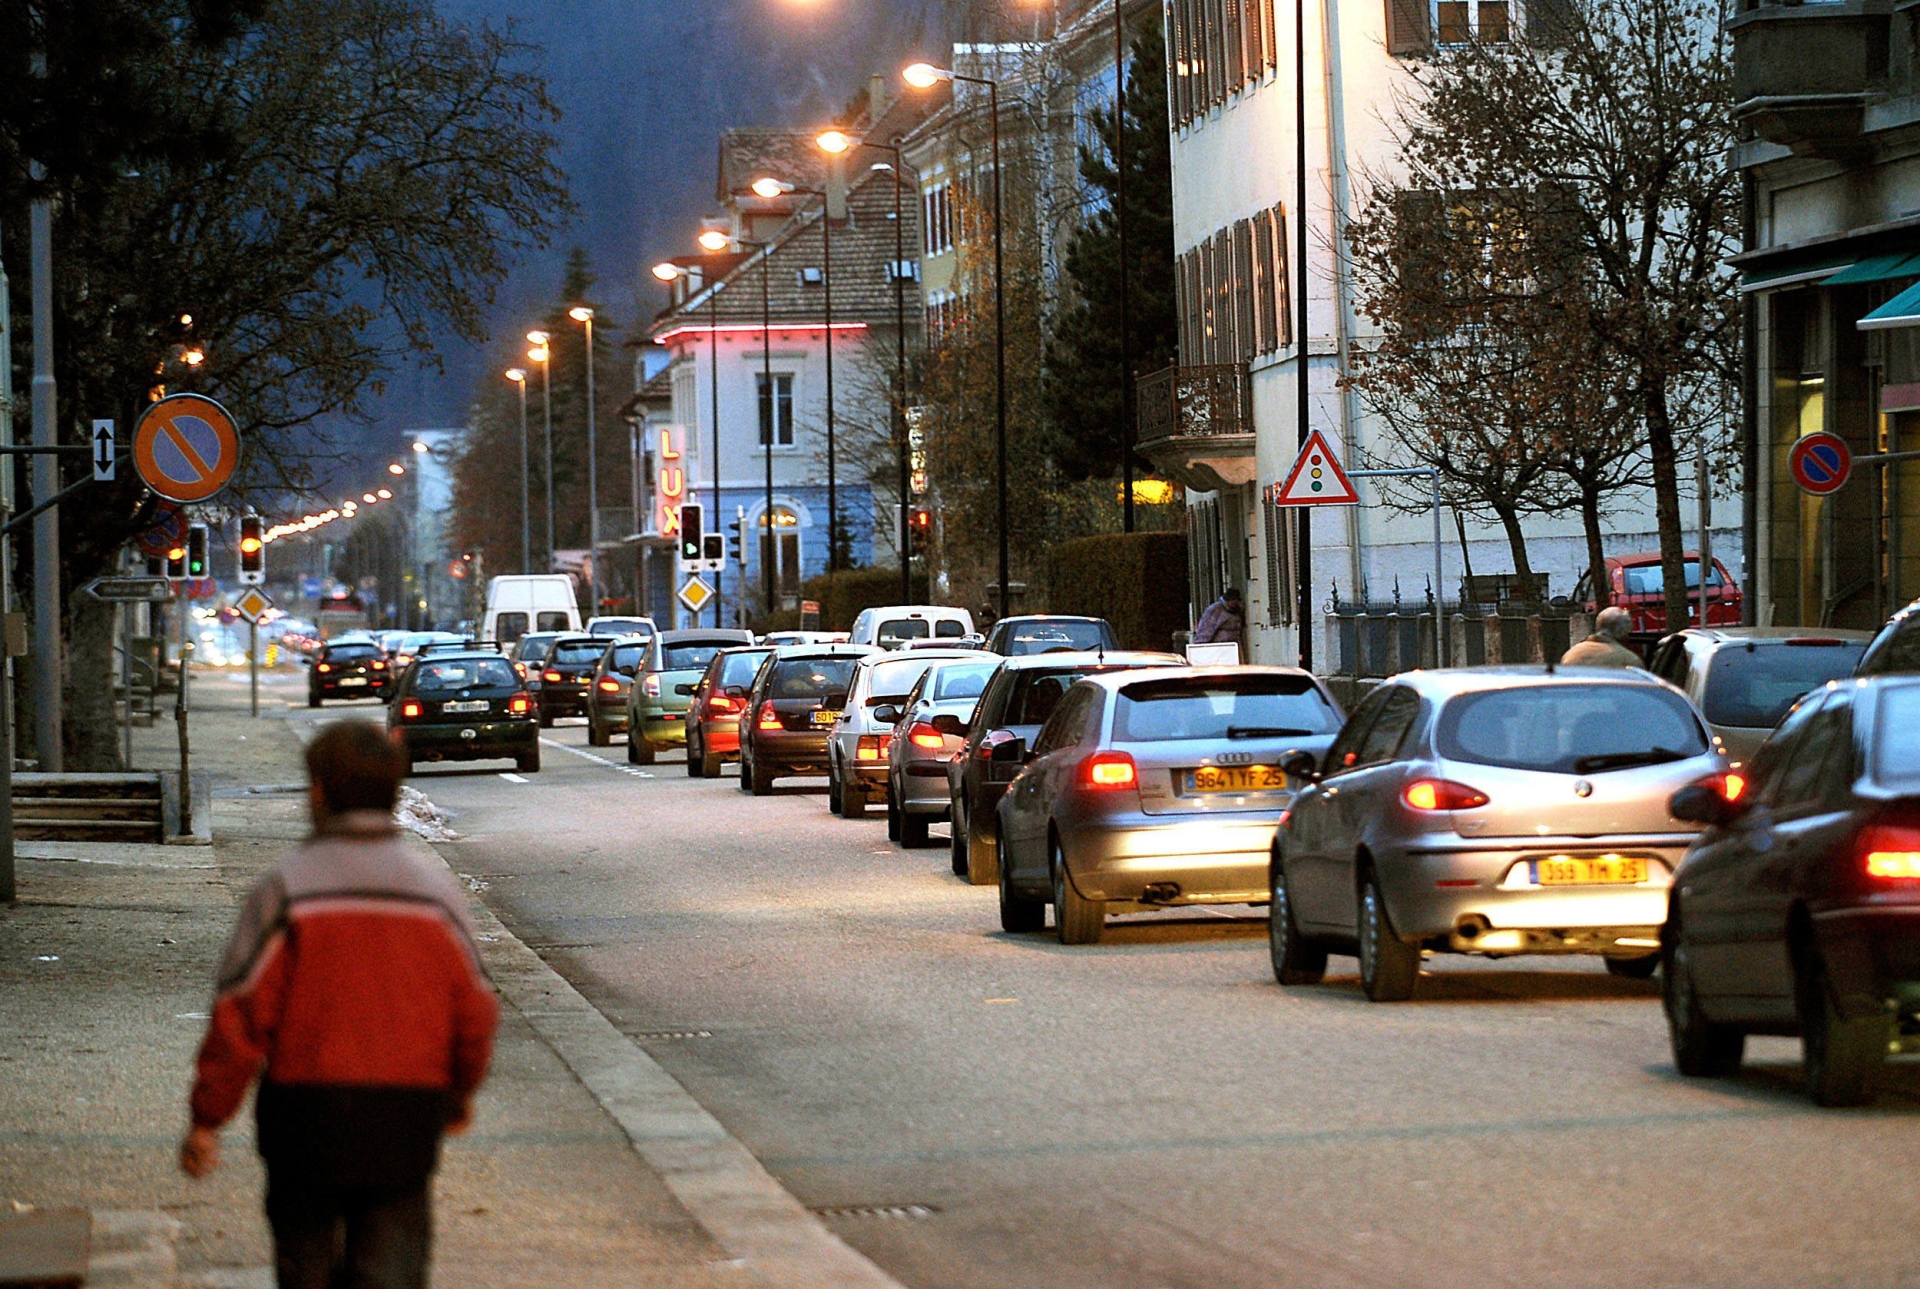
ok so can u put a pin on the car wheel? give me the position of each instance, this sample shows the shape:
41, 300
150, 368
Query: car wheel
983, 858
913, 831
1078, 921
1295, 961
893, 816
833, 788
1019, 912
640, 749
1389, 966
853, 801
1641, 968
710, 764
1842, 1055
596, 737
1701, 1049
745, 781
762, 780
528, 762
957, 836
546, 719
696, 763
313, 700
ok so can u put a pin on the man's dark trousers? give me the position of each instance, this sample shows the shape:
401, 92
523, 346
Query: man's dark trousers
349, 1238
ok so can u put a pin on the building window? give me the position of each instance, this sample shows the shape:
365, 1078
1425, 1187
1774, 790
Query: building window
1231, 292
781, 546
776, 412
1456, 22
937, 209
1218, 48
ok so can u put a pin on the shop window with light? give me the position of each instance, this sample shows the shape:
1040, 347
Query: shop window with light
776, 409
781, 545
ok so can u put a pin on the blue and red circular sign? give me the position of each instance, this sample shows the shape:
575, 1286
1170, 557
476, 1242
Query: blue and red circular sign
1821, 463
186, 447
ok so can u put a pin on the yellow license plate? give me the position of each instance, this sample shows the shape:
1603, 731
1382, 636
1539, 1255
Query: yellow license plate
1236, 778
1604, 870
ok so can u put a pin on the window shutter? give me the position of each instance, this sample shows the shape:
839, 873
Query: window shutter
1282, 286
1550, 22
1243, 290
1281, 530
1270, 35
1408, 30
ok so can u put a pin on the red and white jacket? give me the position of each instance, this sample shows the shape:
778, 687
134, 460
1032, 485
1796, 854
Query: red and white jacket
353, 989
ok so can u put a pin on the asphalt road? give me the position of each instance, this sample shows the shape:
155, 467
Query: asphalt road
1155, 1111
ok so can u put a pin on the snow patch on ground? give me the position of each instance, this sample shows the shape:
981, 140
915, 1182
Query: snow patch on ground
418, 815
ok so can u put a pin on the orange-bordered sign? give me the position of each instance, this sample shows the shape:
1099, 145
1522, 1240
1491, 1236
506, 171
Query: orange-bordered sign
1316, 478
186, 447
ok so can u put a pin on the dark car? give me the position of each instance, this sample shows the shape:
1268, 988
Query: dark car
1016, 703
928, 729
349, 669
612, 678
713, 710
529, 652
790, 710
1797, 910
465, 705
1033, 633
565, 674
1895, 647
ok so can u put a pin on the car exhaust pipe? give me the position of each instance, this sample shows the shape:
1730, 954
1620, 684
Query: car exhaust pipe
1160, 893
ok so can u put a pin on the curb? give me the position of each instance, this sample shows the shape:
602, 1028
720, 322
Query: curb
720, 1184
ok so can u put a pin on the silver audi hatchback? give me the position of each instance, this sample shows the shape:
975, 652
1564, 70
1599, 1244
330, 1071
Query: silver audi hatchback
1489, 810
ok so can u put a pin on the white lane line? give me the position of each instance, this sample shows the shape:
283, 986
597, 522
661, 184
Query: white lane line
582, 753
513, 778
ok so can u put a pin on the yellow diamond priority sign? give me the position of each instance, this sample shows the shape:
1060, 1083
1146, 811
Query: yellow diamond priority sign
252, 603
696, 594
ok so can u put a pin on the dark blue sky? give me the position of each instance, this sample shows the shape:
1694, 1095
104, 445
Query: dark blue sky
645, 87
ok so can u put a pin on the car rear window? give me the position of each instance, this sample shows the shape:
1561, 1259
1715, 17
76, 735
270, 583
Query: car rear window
623, 627
1212, 707
894, 679
552, 622
534, 648
1896, 740
1895, 649
1650, 579
949, 628
352, 652
1052, 637
1755, 687
810, 677
1570, 728
509, 627
1036, 693
627, 657
688, 657
904, 629
741, 668
577, 651
464, 673
962, 680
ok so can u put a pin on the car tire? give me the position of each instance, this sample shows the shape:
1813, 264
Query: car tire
546, 719
983, 858
1701, 1049
313, 700
957, 836
893, 818
1020, 913
745, 781
528, 762
762, 780
1842, 1055
913, 831
710, 763
853, 801
596, 737
640, 749
1389, 966
1641, 968
1295, 961
1077, 920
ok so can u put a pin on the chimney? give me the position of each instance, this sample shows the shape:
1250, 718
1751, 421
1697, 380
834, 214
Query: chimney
877, 99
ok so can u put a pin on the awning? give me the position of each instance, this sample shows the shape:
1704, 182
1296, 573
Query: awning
1879, 268
1901, 311
1768, 279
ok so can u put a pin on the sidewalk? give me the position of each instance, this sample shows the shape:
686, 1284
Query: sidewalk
105, 968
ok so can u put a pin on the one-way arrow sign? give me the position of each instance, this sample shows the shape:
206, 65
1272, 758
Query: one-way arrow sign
135, 590
103, 452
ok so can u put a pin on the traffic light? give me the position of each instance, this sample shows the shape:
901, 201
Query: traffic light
253, 550
734, 543
692, 526
922, 520
713, 548
196, 550
177, 561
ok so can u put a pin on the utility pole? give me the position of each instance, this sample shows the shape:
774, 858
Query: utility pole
1303, 612
8, 891
1120, 225
46, 482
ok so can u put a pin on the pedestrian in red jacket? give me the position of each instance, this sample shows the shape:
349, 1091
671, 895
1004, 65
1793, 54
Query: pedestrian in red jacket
353, 991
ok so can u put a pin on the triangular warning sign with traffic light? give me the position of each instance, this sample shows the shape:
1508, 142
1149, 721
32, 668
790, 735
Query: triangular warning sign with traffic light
1316, 478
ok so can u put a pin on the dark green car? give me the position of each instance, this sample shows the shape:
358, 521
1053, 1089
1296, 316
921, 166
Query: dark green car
465, 706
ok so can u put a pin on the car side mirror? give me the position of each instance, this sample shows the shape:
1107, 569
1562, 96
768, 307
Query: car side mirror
886, 714
1705, 803
1011, 751
950, 725
685, 691
1301, 765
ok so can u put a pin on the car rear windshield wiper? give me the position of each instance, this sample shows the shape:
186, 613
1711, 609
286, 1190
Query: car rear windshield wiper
1265, 731
1623, 760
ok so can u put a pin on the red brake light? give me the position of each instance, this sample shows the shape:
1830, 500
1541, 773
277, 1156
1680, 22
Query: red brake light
1109, 770
609, 685
377, 665
769, 719
720, 705
520, 704
551, 675
1891, 853
1733, 786
410, 709
325, 666
1442, 794
924, 735
520, 670
868, 749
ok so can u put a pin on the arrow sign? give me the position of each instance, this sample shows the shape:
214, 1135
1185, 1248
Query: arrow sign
1316, 478
103, 452
130, 590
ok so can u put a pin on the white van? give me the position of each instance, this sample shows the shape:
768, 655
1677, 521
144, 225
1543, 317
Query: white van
893, 625
537, 602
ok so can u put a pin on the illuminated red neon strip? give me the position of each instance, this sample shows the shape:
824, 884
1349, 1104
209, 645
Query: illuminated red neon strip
752, 328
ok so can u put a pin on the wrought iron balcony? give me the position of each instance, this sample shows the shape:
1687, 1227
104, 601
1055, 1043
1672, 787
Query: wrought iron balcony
1804, 74
1196, 424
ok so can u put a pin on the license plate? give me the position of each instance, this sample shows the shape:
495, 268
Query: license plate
1236, 778
477, 705
824, 717
344, 681
1604, 870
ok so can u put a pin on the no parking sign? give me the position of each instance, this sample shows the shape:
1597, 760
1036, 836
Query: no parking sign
186, 447
1821, 463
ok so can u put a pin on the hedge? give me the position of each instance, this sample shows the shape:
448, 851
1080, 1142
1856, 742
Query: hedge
844, 594
1136, 581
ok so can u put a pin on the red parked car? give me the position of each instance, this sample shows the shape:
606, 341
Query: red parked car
1639, 588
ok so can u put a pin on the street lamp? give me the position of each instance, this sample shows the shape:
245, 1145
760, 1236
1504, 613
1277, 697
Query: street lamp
518, 375
542, 353
667, 272
926, 76
715, 240
581, 314
771, 188
835, 142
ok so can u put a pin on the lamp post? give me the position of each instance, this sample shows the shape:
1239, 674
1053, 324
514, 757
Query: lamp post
926, 76
667, 272
713, 240
518, 375
1304, 612
1120, 229
584, 316
770, 188
542, 353
836, 142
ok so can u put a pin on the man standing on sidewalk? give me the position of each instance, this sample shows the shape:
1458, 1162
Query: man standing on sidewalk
353, 990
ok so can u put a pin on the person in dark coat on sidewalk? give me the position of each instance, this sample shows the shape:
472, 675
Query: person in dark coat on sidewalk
1224, 622
353, 991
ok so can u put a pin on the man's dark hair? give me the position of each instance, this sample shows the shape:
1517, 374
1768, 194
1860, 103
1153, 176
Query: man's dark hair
1231, 595
356, 767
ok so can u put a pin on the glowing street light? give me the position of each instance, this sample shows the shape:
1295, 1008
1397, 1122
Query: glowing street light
834, 141
714, 239
193, 357
396, 469
769, 188
384, 495
518, 375
924, 76
666, 272
418, 446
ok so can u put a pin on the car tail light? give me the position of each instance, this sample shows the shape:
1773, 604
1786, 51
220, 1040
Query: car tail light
1109, 770
869, 747
520, 670
325, 666
651, 686
721, 705
608, 685
1442, 794
377, 665
551, 675
520, 704
410, 709
1733, 786
405, 659
769, 719
924, 735
1891, 853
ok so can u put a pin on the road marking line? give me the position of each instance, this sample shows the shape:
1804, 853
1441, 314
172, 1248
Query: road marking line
513, 778
633, 770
